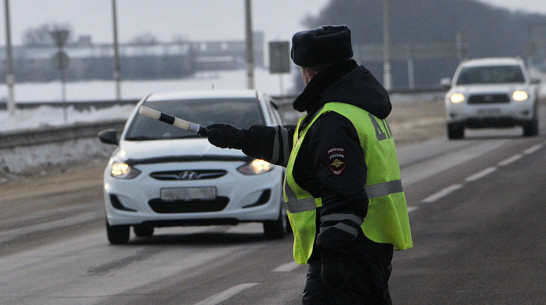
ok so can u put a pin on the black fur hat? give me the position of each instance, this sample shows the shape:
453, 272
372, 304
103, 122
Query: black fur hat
327, 44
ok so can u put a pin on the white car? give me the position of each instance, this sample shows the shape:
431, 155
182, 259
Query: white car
491, 93
161, 175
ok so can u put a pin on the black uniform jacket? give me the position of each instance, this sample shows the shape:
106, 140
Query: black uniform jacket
330, 163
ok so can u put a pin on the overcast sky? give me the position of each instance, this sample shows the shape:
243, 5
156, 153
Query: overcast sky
190, 19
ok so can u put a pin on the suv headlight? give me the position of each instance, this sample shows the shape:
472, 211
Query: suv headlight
457, 98
520, 95
256, 167
122, 170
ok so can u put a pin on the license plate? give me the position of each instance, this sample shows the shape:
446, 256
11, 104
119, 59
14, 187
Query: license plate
188, 193
489, 111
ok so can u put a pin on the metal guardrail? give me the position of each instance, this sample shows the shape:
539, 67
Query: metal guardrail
17, 138
78, 105
56, 134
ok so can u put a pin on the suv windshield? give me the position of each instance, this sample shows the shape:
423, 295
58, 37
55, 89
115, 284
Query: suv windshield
241, 113
490, 75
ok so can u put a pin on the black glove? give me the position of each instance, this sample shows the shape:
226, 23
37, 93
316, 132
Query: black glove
225, 136
334, 272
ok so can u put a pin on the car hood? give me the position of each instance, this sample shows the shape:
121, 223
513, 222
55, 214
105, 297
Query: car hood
493, 88
199, 147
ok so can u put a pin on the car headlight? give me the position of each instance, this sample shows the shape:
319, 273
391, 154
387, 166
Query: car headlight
122, 170
255, 167
520, 96
457, 98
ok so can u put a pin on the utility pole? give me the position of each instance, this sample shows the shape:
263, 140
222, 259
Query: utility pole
387, 77
117, 72
10, 76
249, 46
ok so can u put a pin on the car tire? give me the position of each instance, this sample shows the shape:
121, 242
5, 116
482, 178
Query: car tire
455, 132
530, 129
143, 230
276, 229
117, 235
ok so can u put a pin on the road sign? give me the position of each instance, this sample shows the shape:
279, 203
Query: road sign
60, 37
60, 60
279, 57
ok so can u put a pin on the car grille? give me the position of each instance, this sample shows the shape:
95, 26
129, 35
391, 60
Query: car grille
191, 206
188, 174
489, 99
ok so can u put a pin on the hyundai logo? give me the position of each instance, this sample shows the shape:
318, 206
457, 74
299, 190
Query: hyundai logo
188, 175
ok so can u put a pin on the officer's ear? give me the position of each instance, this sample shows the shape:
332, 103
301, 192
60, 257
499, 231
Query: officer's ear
307, 74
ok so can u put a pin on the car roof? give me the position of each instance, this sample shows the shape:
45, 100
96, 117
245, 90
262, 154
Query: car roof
202, 94
492, 61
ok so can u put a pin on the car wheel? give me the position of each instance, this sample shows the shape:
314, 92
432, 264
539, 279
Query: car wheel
531, 129
117, 235
143, 230
455, 132
276, 229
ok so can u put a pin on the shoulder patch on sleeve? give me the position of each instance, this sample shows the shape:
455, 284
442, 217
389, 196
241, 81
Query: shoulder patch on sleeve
336, 160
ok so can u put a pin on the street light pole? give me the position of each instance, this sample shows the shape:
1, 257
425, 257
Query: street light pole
249, 46
10, 76
117, 73
387, 77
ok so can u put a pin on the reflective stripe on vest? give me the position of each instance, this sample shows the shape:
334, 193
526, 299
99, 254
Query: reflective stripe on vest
383, 189
293, 205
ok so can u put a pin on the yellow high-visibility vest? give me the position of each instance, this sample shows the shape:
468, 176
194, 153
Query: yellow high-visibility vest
387, 219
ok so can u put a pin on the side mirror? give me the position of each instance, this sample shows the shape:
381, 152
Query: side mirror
446, 82
109, 136
535, 81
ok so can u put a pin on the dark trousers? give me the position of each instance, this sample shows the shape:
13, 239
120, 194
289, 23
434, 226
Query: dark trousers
370, 267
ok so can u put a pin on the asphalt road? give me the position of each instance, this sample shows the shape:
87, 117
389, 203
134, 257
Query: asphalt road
476, 208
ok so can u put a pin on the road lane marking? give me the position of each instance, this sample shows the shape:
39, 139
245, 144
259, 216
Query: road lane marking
512, 159
448, 190
532, 149
226, 294
481, 174
288, 267
412, 209
442, 193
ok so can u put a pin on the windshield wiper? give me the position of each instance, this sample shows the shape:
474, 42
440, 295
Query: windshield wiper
189, 136
141, 138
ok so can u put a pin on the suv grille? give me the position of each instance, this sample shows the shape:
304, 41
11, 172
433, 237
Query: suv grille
489, 99
188, 174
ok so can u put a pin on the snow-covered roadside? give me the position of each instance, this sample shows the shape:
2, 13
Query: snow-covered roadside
46, 156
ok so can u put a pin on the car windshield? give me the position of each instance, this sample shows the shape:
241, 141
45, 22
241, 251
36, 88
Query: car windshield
490, 75
241, 113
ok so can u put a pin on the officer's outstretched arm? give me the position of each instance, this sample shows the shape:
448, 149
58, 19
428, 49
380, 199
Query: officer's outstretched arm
272, 144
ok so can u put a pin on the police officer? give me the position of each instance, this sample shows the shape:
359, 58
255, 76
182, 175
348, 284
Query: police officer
342, 187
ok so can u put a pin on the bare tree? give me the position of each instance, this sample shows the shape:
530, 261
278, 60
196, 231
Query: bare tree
41, 35
145, 39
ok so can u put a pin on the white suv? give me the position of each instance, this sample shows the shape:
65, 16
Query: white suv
160, 175
491, 93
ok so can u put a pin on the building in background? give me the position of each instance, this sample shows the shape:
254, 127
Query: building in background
171, 60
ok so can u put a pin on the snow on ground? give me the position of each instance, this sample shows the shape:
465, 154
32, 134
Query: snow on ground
105, 90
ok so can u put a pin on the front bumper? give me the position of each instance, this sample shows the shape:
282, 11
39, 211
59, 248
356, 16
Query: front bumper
240, 198
490, 116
